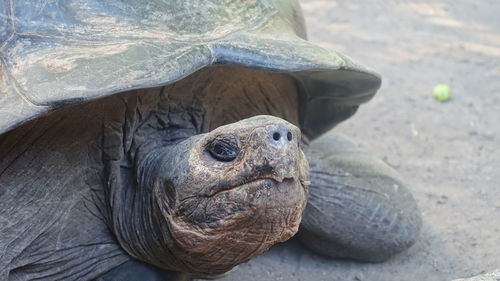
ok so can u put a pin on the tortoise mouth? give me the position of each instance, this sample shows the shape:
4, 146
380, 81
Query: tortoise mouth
264, 182
252, 184
232, 205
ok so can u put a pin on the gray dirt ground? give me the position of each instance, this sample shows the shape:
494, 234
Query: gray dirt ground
448, 152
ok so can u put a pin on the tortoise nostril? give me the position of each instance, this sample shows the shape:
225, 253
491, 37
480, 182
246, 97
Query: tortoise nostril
289, 136
276, 136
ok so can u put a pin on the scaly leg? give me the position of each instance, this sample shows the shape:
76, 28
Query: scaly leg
358, 207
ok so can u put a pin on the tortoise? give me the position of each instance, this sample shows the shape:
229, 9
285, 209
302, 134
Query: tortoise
140, 139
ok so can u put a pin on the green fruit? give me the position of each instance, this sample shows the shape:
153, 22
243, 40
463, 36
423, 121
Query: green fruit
442, 92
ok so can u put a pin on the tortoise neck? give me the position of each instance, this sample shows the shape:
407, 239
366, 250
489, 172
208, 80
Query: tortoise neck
149, 123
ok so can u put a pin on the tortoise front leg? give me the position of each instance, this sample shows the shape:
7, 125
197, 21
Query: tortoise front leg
358, 207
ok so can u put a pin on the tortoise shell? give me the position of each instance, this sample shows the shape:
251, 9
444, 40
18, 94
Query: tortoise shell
63, 52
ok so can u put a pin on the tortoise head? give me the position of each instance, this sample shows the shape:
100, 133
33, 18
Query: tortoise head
222, 198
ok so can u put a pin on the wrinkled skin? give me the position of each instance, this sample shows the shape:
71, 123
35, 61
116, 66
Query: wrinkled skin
179, 178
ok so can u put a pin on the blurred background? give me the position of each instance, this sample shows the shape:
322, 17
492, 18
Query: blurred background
449, 152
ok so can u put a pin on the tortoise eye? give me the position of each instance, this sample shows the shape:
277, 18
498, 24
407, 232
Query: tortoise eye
224, 148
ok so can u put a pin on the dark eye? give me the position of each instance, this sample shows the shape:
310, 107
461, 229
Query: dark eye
224, 148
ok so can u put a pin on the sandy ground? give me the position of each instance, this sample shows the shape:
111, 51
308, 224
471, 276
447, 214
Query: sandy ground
448, 152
